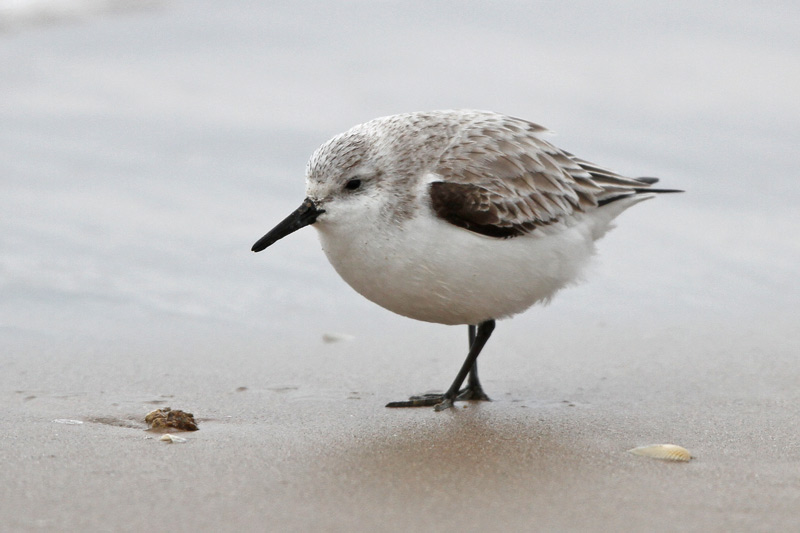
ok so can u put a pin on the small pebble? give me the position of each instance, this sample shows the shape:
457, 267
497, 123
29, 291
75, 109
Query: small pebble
165, 417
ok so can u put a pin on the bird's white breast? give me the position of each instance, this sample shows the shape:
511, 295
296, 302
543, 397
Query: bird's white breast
430, 270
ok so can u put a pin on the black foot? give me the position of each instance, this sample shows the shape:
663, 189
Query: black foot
473, 394
421, 400
478, 335
439, 402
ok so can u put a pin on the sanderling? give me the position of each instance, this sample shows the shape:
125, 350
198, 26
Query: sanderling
457, 217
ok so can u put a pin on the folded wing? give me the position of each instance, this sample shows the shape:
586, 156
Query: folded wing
500, 178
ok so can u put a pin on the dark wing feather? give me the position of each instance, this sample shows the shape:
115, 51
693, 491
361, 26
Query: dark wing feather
474, 208
499, 177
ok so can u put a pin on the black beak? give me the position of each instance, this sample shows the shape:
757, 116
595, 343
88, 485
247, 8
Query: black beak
304, 215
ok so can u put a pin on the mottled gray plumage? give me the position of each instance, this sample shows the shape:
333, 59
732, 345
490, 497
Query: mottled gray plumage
492, 174
457, 217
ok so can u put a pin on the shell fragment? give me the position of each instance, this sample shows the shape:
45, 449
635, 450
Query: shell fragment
172, 439
666, 452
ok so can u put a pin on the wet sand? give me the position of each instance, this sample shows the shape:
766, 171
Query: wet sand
286, 448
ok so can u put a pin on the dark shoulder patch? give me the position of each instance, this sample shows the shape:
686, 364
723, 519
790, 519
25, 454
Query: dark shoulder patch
470, 207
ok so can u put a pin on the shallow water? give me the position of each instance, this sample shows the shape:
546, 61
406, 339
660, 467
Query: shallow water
145, 150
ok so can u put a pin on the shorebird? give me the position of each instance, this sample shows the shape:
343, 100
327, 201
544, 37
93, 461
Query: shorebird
457, 217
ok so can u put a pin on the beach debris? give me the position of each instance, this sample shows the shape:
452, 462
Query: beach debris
172, 439
68, 421
666, 452
165, 418
330, 338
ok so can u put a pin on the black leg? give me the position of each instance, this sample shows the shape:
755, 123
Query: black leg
473, 391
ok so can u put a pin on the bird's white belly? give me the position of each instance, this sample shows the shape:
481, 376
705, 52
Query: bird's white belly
430, 270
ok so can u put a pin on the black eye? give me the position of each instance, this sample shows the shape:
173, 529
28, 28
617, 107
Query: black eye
352, 184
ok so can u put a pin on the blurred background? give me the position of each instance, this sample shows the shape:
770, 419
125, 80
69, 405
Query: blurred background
146, 145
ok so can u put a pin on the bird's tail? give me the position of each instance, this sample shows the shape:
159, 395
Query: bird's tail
633, 191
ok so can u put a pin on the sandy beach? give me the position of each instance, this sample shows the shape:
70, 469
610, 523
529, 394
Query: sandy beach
289, 447
145, 148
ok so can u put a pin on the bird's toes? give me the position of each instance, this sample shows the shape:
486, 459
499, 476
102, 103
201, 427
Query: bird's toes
422, 400
472, 395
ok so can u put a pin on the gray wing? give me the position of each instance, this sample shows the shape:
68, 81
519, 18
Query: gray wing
499, 177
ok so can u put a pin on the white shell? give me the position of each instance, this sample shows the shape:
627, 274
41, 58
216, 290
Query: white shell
167, 437
68, 421
667, 452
